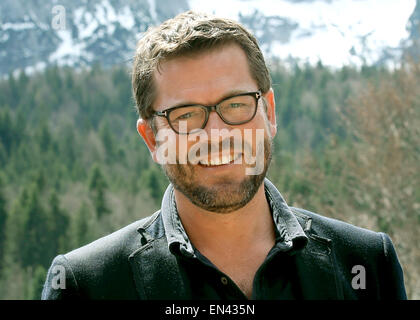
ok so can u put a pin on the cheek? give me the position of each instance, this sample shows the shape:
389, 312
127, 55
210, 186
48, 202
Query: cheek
161, 123
260, 126
264, 123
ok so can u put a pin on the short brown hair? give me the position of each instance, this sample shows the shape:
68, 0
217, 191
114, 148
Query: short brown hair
188, 33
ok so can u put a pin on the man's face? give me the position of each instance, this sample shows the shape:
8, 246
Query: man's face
205, 79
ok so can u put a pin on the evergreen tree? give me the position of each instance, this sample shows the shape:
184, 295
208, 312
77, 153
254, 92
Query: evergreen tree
81, 229
6, 130
15, 240
35, 245
3, 218
107, 141
59, 227
3, 155
40, 180
98, 187
13, 92
23, 80
36, 283
44, 138
154, 181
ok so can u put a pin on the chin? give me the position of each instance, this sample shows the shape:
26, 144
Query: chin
224, 196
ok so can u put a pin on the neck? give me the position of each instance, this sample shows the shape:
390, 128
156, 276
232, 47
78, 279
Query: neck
242, 228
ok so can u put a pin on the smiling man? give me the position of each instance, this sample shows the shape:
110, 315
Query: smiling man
224, 231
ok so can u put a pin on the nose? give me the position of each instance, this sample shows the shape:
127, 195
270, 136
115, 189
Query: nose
216, 131
215, 122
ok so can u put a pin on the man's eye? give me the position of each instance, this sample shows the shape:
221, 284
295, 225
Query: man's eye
185, 116
236, 105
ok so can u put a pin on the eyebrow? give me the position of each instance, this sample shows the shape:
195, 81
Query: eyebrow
225, 96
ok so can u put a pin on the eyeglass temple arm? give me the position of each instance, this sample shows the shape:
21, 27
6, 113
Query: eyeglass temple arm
160, 113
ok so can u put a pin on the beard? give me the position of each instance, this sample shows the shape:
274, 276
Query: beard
226, 195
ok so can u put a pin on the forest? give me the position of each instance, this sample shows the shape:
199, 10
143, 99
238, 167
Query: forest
73, 167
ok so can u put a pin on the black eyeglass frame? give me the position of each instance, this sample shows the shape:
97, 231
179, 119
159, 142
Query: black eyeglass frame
165, 113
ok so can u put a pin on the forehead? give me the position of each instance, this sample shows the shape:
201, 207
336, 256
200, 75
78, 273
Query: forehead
203, 77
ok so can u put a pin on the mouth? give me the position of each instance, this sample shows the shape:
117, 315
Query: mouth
219, 161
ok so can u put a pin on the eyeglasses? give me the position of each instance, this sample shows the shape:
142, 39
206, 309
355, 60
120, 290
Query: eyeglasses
234, 110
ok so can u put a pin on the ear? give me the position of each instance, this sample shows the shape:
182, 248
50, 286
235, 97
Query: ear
145, 130
271, 111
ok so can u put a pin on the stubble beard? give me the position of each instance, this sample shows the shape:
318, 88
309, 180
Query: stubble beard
224, 197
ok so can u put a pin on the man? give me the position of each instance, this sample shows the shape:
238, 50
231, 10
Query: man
223, 231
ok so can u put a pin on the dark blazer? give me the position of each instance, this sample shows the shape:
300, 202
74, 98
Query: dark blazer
132, 264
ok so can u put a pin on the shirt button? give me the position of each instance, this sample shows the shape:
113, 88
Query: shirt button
224, 280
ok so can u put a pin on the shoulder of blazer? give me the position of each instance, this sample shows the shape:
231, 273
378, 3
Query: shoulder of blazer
121, 242
351, 246
100, 269
97, 263
339, 232
333, 250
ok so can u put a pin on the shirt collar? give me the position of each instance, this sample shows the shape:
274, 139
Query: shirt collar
290, 235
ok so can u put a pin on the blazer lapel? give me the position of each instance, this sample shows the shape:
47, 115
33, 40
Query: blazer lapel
156, 272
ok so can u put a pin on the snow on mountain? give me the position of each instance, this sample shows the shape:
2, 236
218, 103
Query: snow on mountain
337, 32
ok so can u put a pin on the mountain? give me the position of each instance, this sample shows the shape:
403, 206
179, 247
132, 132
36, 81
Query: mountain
32, 36
37, 33
337, 32
412, 45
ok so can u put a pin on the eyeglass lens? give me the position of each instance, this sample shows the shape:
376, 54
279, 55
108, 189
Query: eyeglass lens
235, 110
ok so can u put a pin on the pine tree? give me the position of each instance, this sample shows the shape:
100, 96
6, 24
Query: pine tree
154, 185
6, 130
44, 138
107, 141
59, 225
36, 283
14, 95
35, 246
3, 218
81, 231
98, 187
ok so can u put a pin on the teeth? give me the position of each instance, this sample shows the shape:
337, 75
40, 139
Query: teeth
217, 161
